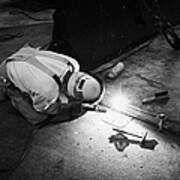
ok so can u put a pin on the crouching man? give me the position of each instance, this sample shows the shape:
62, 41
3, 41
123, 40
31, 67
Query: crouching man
40, 83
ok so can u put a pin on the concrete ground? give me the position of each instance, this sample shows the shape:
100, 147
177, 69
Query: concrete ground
80, 149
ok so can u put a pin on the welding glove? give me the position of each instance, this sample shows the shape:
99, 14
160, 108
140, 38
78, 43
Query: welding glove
74, 108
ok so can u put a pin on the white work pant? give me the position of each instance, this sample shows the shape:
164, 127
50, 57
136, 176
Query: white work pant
19, 100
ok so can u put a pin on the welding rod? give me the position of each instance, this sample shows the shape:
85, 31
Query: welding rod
156, 97
124, 132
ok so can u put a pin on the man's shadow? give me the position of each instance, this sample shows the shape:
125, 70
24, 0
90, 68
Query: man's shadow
17, 134
64, 116
121, 141
14, 134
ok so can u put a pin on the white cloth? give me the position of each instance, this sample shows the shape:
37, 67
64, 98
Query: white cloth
42, 88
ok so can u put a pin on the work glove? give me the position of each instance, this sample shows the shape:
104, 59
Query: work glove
77, 109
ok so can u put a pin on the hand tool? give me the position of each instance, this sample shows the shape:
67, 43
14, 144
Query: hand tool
156, 97
131, 134
121, 141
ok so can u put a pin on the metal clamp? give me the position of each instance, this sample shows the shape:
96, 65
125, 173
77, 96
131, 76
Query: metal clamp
162, 118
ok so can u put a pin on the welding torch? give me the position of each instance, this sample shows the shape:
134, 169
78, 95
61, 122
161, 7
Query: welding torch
96, 108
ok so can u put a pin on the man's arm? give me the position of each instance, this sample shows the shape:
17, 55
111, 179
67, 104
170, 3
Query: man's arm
72, 108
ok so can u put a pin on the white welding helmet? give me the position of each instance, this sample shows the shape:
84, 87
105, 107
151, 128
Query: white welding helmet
85, 87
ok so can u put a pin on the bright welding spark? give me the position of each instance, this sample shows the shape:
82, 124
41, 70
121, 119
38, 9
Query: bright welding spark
115, 118
120, 102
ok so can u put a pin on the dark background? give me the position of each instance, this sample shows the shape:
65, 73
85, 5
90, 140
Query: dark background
100, 30
96, 31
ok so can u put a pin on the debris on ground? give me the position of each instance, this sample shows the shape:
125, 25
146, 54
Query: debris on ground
114, 71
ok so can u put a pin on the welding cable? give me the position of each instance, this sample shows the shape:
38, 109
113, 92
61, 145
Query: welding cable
8, 37
14, 12
23, 155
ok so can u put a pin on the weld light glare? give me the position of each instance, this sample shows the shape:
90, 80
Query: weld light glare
119, 101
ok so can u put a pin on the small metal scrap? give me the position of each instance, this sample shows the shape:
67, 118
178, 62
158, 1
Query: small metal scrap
162, 119
115, 71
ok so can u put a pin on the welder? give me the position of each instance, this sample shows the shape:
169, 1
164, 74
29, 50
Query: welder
42, 83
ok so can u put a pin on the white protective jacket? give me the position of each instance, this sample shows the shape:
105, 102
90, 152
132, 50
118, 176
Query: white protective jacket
29, 78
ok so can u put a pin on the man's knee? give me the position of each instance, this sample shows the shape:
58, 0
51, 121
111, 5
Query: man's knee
24, 106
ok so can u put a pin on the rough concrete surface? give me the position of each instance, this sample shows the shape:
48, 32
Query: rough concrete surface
80, 149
